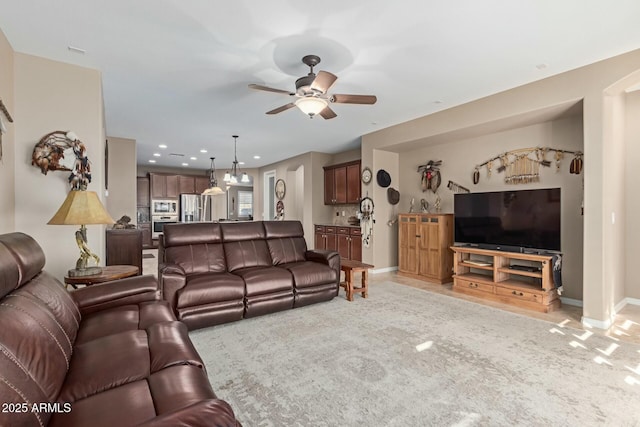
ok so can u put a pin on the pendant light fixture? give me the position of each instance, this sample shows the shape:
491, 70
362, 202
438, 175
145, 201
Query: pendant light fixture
213, 189
232, 178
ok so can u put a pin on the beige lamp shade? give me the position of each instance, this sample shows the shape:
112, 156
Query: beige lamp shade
81, 208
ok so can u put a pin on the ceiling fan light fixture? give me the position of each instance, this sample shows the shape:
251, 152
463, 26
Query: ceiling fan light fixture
311, 105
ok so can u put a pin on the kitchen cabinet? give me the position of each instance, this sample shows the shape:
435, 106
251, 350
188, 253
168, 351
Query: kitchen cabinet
186, 184
345, 240
201, 184
342, 183
423, 246
142, 192
163, 186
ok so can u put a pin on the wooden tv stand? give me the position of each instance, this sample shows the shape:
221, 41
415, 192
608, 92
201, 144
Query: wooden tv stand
490, 274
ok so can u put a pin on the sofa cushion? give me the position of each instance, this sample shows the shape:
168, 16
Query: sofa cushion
242, 231
308, 273
10, 277
27, 253
285, 240
245, 254
210, 287
126, 357
197, 233
197, 258
265, 280
123, 318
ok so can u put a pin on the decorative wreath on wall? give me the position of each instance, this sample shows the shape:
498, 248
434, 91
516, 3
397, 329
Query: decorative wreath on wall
49, 155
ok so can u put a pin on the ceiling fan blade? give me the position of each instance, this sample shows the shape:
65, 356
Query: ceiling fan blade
281, 109
327, 113
269, 89
323, 81
353, 99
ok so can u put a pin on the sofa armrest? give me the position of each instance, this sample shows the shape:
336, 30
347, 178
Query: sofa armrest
330, 258
101, 296
171, 278
213, 412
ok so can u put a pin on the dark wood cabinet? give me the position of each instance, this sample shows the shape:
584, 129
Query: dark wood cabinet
201, 184
345, 240
124, 247
342, 183
163, 186
186, 184
142, 192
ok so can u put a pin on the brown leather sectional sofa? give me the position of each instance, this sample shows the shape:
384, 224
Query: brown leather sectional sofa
106, 355
213, 273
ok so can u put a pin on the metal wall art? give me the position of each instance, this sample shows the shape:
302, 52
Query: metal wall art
430, 175
457, 188
49, 155
522, 166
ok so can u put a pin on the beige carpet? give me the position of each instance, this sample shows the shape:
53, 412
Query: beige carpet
407, 357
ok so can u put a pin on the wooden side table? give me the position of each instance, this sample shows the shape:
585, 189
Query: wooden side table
109, 273
350, 267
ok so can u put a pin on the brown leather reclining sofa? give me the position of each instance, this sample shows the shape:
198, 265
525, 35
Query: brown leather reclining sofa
106, 355
213, 273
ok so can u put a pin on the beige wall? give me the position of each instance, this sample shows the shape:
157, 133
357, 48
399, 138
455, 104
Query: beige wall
52, 96
588, 84
632, 181
7, 164
460, 158
121, 198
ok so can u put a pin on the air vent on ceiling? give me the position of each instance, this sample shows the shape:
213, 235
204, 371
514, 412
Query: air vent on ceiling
177, 154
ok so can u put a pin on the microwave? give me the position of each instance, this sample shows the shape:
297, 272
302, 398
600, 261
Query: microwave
164, 207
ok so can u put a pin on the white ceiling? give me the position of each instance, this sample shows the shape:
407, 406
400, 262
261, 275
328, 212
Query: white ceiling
175, 72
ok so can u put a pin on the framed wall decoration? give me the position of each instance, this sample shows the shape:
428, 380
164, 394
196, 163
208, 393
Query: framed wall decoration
280, 189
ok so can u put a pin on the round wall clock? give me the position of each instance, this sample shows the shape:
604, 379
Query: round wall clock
280, 189
366, 175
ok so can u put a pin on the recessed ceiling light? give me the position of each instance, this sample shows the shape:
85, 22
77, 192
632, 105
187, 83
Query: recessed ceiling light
163, 146
241, 163
256, 157
185, 164
193, 158
152, 161
156, 154
203, 151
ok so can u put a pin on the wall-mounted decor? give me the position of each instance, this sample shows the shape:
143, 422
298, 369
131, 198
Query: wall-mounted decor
60, 150
280, 189
3, 129
430, 175
366, 220
280, 210
457, 188
522, 166
366, 175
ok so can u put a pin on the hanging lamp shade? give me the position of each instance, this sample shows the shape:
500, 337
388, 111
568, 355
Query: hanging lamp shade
213, 189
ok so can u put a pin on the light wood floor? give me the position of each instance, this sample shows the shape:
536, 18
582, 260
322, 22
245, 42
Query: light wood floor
626, 326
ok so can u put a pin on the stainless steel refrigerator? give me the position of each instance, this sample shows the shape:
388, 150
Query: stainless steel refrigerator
194, 208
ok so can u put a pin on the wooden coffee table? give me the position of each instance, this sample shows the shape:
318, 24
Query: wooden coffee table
109, 273
350, 267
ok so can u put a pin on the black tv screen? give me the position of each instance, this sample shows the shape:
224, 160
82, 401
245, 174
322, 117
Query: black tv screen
509, 220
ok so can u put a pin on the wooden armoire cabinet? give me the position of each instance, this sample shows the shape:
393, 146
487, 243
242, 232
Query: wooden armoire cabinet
423, 246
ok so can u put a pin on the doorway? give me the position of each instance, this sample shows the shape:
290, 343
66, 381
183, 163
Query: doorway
269, 195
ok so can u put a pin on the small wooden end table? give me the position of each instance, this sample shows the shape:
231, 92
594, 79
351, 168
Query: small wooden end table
350, 267
109, 273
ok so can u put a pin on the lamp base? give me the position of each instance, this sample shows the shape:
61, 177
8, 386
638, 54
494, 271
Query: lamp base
81, 272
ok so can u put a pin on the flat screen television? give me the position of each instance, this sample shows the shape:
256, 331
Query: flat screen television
509, 220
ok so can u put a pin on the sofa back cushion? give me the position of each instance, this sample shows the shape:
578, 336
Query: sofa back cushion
196, 247
285, 240
27, 255
245, 245
10, 275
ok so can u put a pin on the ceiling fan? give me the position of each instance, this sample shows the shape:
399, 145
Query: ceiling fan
311, 93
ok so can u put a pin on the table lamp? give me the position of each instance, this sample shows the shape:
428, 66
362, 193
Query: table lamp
82, 207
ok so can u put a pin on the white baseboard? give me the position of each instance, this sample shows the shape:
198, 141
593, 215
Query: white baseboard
599, 324
384, 270
571, 301
606, 324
